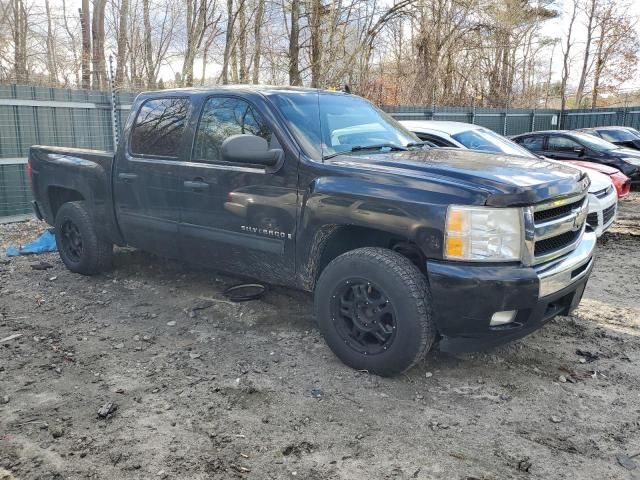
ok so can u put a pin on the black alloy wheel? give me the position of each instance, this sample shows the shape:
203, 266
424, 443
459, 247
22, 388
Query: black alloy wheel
364, 317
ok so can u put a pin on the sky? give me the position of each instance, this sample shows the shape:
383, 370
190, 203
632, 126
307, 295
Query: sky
560, 26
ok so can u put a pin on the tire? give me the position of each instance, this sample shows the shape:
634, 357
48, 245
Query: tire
391, 303
80, 248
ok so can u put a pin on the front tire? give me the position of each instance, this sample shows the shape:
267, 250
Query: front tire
80, 248
373, 308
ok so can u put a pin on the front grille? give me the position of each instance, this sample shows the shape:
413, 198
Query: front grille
608, 213
557, 228
556, 243
555, 213
592, 219
604, 192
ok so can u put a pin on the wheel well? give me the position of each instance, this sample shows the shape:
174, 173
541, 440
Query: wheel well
347, 238
59, 196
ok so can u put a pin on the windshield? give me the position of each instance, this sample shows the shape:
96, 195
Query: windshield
594, 143
617, 135
489, 141
326, 124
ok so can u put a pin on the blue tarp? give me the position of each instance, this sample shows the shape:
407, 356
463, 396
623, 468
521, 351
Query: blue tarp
44, 243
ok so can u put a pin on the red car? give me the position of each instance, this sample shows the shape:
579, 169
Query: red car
619, 179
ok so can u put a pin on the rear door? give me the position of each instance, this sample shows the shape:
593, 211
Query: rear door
533, 143
239, 217
147, 181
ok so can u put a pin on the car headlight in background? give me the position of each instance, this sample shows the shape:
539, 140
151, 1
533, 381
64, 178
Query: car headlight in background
484, 234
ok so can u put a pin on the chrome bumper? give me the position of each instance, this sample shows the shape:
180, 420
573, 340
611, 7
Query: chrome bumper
555, 276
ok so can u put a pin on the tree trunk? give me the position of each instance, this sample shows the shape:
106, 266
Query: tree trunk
565, 63
86, 45
148, 48
72, 39
587, 53
197, 13
122, 42
242, 44
294, 45
52, 66
316, 42
20, 41
226, 57
257, 33
599, 63
97, 33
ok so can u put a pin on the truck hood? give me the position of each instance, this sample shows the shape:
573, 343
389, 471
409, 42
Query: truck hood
507, 180
599, 181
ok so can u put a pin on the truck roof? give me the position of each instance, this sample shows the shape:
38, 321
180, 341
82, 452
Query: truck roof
238, 88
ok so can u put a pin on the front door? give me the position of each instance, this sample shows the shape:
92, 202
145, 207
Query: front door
238, 217
560, 147
147, 182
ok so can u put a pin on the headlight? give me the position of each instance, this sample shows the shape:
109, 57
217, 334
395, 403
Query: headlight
483, 234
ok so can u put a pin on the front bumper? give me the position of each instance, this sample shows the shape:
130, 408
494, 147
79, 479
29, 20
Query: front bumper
602, 212
465, 297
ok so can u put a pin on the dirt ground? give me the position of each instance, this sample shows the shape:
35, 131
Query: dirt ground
251, 391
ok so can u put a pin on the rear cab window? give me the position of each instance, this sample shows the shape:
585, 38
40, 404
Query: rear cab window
158, 128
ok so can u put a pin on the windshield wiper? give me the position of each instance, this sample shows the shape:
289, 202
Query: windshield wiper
360, 148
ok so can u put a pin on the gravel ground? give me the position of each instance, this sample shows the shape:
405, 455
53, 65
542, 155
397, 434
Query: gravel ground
206, 389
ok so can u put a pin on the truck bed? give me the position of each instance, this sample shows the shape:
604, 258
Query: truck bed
61, 174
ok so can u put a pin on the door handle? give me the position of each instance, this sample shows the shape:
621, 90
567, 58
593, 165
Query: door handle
127, 177
196, 185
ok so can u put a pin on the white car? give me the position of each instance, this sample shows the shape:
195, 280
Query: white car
603, 199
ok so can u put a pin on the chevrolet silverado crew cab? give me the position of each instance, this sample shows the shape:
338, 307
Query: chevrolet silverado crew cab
402, 245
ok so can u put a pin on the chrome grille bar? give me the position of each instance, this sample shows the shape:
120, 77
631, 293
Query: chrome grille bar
571, 217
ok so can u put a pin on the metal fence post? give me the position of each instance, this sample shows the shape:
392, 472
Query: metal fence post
114, 106
506, 116
473, 113
533, 120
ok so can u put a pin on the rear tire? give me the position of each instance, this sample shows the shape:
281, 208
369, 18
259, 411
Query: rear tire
80, 248
373, 308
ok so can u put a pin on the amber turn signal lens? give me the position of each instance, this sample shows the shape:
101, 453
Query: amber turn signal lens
455, 221
455, 246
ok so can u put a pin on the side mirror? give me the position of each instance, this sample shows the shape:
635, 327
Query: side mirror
251, 149
579, 150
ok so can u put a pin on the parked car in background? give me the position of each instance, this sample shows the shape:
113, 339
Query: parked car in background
620, 181
574, 145
626, 137
603, 197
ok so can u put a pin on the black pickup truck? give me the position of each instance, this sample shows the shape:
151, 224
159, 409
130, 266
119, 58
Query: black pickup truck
401, 244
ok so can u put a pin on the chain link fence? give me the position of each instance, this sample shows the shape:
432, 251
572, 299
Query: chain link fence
34, 115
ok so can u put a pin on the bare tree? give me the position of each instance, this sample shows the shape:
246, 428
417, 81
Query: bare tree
257, 35
294, 44
590, 11
86, 45
122, 42
97, 37
20, 31
566, 56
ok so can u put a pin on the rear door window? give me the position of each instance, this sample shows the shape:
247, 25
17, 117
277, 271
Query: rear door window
534, 144
158, 128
